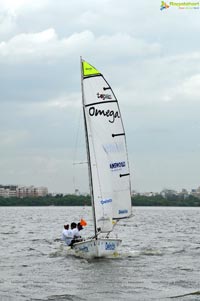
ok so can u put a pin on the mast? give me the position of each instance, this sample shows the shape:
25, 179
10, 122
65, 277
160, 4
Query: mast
88, 151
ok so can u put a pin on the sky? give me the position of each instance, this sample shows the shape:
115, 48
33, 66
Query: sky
151, 58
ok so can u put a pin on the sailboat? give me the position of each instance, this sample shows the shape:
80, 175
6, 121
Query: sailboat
109, 175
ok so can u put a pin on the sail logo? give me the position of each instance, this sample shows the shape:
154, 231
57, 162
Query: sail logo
106, 201
104, 96
123, 211
109, 246
117, 165
107, 113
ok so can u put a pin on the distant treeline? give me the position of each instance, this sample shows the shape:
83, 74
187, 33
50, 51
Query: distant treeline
73, 200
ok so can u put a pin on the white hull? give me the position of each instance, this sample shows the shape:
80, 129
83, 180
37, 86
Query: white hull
101, 247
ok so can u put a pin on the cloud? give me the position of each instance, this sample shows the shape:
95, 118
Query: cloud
27, 45
65, 101
12, 10
163, 79
46, 44
7, 24
184, 90
190, 88
15, 8
13, 138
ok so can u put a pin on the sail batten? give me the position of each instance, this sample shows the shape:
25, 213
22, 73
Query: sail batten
119, 134
106, 144
89, 76
124, 175
100, 102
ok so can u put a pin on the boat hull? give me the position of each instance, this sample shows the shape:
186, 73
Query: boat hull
101, 247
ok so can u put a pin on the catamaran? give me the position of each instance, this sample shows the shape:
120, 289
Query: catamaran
109, 175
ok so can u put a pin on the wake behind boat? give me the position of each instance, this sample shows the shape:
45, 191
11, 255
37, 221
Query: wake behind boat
108, 166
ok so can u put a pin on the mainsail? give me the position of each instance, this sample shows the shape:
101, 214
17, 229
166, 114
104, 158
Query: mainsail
106, 149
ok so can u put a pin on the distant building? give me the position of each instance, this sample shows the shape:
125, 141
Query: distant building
77, 192
149, 194
184, 193
196, 192
134, 193
166, 193
8, 190
22, 191
41, 191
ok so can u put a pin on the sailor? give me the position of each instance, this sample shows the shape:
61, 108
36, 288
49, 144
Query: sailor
78, 234
75, 228
80, 227
67, 235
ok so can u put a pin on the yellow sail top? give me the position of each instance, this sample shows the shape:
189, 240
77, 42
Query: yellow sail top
89, 69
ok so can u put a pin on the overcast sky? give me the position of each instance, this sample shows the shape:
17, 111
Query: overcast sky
150, 57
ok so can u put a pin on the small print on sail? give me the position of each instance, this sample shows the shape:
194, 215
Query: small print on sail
104, 96
117, 165
106, 201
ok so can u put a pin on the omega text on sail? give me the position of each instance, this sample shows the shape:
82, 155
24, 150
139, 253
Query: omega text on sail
107, 113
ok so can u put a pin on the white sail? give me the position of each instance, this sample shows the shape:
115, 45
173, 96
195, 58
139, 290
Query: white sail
107, 152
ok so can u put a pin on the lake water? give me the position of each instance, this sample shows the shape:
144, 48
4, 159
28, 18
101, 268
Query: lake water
159, 258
